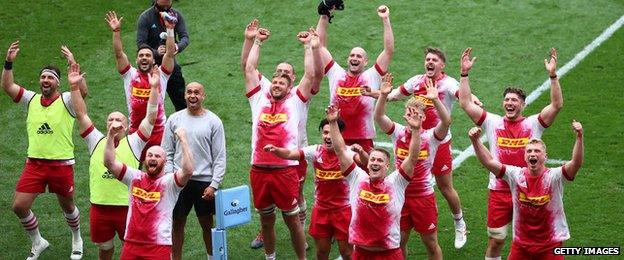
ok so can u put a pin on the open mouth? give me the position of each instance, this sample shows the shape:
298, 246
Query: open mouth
533, 161
354, 63
430, 68
375, 168
509, 108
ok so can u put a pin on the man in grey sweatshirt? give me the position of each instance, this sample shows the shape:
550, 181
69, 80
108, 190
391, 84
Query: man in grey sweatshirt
206, 140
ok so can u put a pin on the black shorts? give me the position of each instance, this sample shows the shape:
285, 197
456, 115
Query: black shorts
191, 195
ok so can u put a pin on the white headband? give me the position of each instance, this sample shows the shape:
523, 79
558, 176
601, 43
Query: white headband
51, 73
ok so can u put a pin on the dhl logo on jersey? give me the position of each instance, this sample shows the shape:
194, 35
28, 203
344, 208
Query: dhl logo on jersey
426, 101
145, 195
512, 142
349, 92
402, 154
273, 118
141, 92
382, 198
535, 201
328, 175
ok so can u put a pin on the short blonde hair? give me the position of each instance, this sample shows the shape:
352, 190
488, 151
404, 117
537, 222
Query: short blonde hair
537, 141
415, 103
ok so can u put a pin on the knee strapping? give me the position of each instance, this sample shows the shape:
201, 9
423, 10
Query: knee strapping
303, 206
497, 233
267, 211
105, 246
292, 212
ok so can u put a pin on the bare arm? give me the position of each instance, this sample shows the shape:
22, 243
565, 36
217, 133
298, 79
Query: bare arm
572, 167
8, 85
549, 112
147, 124
110, 162
250, 34
482, 152
115, 25
168, 59
361, 156
465, 95
321, 30
441, 130
187, 159
337, 141
383, 60
251, 74
283, 153
71, 60
75, 80
414, 120
384, 122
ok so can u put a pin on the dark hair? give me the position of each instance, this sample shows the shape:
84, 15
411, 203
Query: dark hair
145, 46
436, 51
54, 68
381, 150
283, 75
516, 91
341, 124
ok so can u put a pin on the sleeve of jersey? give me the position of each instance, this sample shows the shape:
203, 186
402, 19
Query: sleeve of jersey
349, 171
329, 66
301, 97
124, 71
165, 71
69, 105
24, 96
392, 129
541, 121
500, 174
379, 70
307, 152
92, 136
178, 186
126, 175
404, 174
482, 118
565, 174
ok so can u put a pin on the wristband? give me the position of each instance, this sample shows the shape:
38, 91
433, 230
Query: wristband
464, 75
8, 65
258, 42
116, 30
553, 77
170, 32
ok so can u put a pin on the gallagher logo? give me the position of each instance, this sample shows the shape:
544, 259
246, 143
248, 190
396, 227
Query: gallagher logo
235, 210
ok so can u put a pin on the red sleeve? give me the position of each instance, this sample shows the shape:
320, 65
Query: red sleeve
349, 170
19, 95
329, 65
483, 116
175, 179
379, 70
259, 76
391, 129
502, 171
404, 90
124, 168
164, 70
457, 94
402, 172
301, 155
88, 131
541, 121
565, 174
125, 70
253, 91
142, 136
436, 136
300, 95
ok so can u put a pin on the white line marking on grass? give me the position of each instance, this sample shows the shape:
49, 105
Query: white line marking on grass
556, 161
606, 34
389, 145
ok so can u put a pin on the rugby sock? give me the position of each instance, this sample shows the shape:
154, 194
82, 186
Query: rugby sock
493, 258
302, 213
269, 256
73, 220
210, 257
459, 220
31, 225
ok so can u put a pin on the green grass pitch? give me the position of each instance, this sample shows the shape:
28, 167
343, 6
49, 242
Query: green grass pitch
510, 39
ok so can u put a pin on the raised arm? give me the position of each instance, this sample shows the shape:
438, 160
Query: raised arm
115, 25
71, 60
8, 85
414, 120
321, 30
168, 58
251, 73
482, 153
75, 82
337, 141
147, 124
183, 36
441, 130
572, 167
250, 35
549, 112
384, 122
465, 95
110, 162
383, 60
185, 173
282, 152
361, 156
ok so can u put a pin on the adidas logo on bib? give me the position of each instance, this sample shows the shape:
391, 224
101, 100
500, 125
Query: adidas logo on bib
45, 129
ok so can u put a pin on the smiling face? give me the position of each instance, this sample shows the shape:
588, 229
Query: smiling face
280, 86
117, 117
48, 83
357, 60
434, 65
145, 60
513, 105
194, 96
377, 165
154, 161
535, 155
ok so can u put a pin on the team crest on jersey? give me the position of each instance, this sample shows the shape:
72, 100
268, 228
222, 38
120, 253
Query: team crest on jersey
328, 175
349, 92
428, 102
140, 92
535, 201
402, 154
512, 142
273, 118
145, 195
381, 198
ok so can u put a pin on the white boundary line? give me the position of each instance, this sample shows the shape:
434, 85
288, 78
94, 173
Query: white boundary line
606, 34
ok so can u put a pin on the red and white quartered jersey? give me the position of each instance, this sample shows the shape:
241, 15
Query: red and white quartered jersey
303, 132
151, 204
376, 208
421, 183
345, 93
275, 122
331, 190
538, 215
137, 89
508, 139
448, 89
